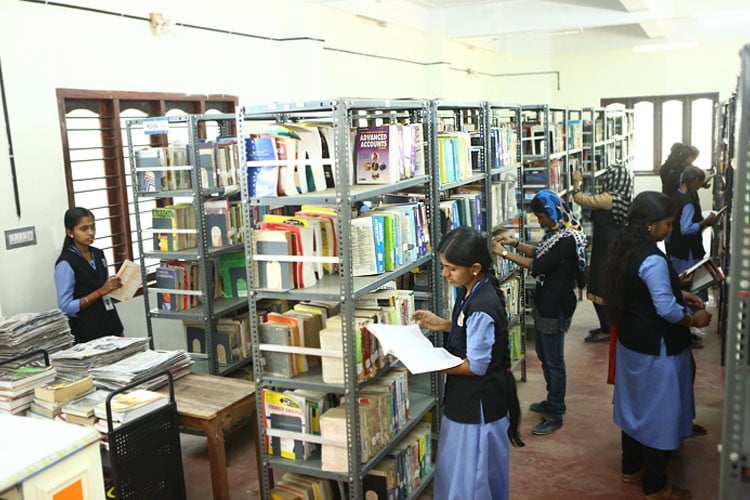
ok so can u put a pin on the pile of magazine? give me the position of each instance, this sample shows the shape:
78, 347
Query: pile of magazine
25, 332
141, 365
76, 361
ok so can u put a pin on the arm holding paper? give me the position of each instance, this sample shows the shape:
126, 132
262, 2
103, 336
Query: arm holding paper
431, 321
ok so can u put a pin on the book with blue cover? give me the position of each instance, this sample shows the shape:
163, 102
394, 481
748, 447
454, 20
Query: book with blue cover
262, 180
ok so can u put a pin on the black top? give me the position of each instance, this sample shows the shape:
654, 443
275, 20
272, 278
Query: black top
554, 290
465, 394
94, 321
682, 246
641, 327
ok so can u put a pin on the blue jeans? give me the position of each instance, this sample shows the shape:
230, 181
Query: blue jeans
550, 349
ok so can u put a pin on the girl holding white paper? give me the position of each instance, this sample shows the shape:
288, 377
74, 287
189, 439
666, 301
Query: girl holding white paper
481, 409
82, 281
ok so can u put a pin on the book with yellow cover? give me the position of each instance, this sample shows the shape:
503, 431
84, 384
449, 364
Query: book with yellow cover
64, 390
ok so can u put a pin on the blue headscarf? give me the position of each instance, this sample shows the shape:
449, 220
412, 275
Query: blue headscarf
564, 224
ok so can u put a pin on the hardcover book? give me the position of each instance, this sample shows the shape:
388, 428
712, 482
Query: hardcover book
63, 390
379, 158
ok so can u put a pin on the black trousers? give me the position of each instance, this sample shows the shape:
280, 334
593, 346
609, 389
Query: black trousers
654, 463
601, 313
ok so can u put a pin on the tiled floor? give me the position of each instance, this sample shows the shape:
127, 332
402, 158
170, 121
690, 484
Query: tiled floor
580, 461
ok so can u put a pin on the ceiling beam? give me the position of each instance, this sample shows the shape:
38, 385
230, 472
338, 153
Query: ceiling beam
633, 5
653, 29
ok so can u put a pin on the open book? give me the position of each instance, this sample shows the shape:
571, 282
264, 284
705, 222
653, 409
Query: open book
412, 348
130, 278
703, 274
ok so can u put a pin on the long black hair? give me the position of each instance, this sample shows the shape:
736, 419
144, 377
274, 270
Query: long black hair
465, 246
648, 207
72, 217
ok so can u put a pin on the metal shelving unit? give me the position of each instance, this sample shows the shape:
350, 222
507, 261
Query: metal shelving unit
509, 116
724, 147
210, 308
735, 443
342, 115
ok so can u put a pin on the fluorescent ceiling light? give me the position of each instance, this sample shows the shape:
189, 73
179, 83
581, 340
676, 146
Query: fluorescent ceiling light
665, 46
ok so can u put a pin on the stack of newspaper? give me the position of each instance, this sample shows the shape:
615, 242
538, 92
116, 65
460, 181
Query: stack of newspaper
28, 331
141, 365
76, 361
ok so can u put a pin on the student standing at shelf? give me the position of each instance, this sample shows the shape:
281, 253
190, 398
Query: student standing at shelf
82, 282
680, 156
653, 400
555, 263
481, 409
608, 212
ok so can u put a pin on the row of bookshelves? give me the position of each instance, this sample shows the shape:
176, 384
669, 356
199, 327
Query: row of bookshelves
314, 224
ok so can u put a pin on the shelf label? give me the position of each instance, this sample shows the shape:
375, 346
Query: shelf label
156, 125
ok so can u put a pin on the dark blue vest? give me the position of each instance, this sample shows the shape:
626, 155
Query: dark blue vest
464, 394
94, 321
641, 328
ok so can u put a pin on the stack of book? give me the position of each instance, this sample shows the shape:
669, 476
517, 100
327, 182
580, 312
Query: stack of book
128, 406
17, 386
294, 486
77, 360
25, 332
50, 398
142, 365
81, 410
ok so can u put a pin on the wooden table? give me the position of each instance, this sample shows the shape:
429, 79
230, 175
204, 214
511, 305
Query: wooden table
210, 404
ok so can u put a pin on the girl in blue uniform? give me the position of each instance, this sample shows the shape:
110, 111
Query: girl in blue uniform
481, 409
82, 282
653, 400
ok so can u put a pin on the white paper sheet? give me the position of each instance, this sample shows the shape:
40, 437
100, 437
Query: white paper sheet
412, 348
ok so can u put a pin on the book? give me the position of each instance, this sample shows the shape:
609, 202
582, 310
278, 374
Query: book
233, 272
273, 274
84, 405
46, 409
283, 411
412, 348
151, 174
279, 364
218, 223
25, 377
262, 179
368, 255
128, 406
310, 148
333, 427
311, 238
704, 274
303, 242
168, 278
328, 233
130, 279
378, 155
381, 482
298, 337
64, 390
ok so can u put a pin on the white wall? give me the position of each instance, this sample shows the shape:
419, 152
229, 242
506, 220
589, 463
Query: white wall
47, 47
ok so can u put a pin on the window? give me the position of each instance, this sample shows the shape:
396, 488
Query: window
660, 121
97, 166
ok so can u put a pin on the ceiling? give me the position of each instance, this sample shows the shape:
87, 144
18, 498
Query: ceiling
532, 27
